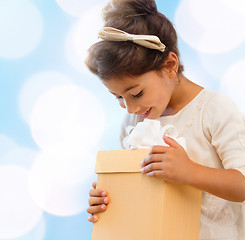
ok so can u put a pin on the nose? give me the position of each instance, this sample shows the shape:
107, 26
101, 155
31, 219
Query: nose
131, 106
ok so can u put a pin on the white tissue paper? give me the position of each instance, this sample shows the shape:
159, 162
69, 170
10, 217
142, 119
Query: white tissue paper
149, 133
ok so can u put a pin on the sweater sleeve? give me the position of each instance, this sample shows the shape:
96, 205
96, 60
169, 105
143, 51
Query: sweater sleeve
226, 129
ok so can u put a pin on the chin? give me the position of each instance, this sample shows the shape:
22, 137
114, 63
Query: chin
152, 117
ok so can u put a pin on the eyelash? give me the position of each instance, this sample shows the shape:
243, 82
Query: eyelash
138, 95
134, 96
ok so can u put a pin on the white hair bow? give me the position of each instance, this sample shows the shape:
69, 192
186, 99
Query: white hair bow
148, 41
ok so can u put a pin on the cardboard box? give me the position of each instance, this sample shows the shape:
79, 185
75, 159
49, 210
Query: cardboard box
143, 208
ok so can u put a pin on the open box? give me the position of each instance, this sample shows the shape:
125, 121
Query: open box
141, 207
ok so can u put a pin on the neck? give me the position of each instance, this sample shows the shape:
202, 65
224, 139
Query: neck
184, 92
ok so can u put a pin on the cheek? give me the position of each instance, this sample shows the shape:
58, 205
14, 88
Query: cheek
155, 100
149, 100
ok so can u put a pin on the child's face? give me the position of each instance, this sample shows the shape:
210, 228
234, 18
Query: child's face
148, 95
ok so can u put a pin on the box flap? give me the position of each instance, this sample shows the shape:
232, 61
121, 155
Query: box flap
119, 161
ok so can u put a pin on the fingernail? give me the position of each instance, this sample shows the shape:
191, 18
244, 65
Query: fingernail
142, 170
95, 217
103, 207
106, 200
103, 194
142, 163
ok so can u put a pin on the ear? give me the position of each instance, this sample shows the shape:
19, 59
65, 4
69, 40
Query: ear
171, 65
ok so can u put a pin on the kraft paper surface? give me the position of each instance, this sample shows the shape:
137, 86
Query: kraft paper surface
141, 207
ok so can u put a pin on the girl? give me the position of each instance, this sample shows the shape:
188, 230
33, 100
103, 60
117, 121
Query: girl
138, 61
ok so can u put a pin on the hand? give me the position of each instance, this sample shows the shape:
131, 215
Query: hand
170, 163
97, 202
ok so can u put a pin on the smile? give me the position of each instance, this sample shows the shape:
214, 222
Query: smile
146, 114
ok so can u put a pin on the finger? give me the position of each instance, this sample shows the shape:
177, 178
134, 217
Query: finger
159, 149
170, 141
152, 158
97, 201
93, 218
94, 185
96, 209
157, 174
152, 167
97, 193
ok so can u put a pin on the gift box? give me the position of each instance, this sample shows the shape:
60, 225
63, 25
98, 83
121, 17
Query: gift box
142, 207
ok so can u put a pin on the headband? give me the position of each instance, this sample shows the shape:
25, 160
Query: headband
148, 41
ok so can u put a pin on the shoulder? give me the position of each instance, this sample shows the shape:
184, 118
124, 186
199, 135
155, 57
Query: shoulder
220, 106
220, 111
218, 100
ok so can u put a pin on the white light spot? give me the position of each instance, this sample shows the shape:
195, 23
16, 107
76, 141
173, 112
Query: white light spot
217, 32
58, 177
237, 5
37, 233
21, 28
35, 86
6, 144
19, 214
83, 35
77, 7
233, 84
67, 115
217, 64
20, 156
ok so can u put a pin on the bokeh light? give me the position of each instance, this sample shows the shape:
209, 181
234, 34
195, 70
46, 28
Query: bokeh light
237, 5
77, 7
232, 83
20, 156
37, 233
19, 214
35, 86
212, 34
58, 178
68, 115
6, 144
82, 35
21, 28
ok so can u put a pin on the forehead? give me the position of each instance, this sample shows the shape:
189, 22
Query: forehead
124, 83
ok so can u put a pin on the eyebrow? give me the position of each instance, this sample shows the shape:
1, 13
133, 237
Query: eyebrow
127, 89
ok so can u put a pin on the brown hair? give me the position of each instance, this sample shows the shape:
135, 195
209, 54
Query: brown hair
108, 58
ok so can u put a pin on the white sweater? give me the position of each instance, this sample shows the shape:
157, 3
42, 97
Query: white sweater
214, 130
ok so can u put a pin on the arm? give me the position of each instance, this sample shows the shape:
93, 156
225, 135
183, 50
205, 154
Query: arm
228, 184
173, 164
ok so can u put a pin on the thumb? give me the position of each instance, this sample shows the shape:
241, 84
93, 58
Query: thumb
170, 141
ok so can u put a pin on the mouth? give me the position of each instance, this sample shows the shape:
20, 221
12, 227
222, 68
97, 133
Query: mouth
146, 114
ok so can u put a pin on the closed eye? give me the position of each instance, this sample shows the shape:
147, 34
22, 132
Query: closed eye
138, 95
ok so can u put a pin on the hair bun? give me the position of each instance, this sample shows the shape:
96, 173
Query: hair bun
143, 6
128, 8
